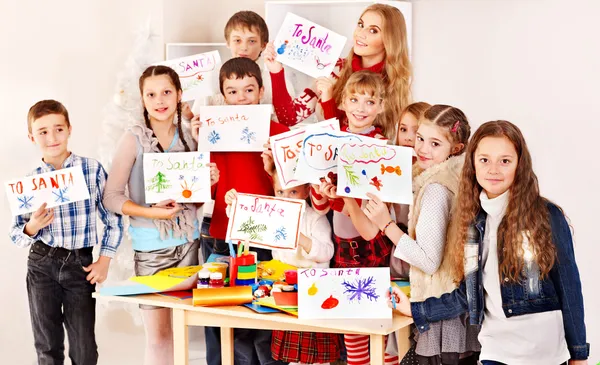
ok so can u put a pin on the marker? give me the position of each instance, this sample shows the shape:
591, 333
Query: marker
393, 298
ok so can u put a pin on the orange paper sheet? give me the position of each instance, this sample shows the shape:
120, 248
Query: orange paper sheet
212, 297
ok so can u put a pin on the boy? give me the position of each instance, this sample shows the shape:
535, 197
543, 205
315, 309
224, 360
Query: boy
241, 83
60, 274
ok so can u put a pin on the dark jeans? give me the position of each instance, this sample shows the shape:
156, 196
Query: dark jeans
492, 362
58, 292
244, 340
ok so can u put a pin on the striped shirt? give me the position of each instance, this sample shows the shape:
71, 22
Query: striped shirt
74, 225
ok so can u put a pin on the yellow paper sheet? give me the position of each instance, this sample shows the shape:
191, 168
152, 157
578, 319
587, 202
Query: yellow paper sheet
180, 272
158, 282
270, 302
274, 270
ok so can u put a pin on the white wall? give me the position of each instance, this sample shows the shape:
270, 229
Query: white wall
529, 61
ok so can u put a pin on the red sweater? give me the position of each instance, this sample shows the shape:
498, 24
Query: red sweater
242, 171
293, 111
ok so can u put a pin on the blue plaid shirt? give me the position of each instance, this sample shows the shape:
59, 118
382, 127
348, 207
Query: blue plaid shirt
74, 224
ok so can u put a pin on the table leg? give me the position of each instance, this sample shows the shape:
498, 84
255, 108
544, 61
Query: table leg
403, 338
180, 338
377, 350
226, 346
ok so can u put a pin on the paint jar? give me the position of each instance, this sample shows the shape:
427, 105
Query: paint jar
216, 280
203, 279
221, 267
291, 277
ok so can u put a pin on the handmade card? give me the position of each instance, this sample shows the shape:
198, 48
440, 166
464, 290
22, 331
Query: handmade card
350, 293
234, 127
286, 148
319, 153
308, 47
385, 171
199, 74
182, 176
54, 188
266, 222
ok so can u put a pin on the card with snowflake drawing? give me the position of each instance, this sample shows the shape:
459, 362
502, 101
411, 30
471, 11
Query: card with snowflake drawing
181, 176
345, 293
385, 171
265, 221
199, 74
54, 188
234, 128
286, 149
307, 46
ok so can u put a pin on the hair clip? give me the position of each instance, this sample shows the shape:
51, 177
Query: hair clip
455, 127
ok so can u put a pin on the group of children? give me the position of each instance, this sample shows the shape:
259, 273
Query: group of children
478, 241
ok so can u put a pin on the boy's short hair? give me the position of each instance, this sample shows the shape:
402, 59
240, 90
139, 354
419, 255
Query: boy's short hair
46, 107
239, 68
247, 20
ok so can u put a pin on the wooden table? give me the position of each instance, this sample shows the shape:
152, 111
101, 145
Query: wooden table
228, 318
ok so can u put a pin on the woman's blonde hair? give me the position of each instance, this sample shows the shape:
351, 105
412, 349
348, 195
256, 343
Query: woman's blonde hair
397, 70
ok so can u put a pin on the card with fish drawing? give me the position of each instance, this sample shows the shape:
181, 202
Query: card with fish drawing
385, 171
182, 176
349, 293
265, 221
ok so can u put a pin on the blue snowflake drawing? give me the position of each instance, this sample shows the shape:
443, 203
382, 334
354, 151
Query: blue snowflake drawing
25, 201
213, 137
280, 234
61, 195
360, 288
248, 136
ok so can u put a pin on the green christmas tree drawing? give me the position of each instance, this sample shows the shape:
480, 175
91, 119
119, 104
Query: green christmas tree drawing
249, 227
158, 183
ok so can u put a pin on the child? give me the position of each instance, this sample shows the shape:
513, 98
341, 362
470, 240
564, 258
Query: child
241, 83
379, 45
441, 139
405, 136
163, 235
363, 102
60, 274
528, 299
315, 249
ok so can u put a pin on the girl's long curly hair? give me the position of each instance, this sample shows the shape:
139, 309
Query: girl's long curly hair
526, 213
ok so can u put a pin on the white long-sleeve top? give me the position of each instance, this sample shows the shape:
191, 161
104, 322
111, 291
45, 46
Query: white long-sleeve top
427, 250
317, 228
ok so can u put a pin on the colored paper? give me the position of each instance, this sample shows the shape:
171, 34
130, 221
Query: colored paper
211, 297
266, 222
54, 188
199, 74
163, 281
270, 303
234, 128
180, 294
286, 149
319, 153
260, 309
350, 293
385, 171
403, 285
286, 299
274, 270
307, 46
182, 176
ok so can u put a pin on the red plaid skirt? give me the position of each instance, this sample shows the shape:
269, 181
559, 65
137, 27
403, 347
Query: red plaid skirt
305, 347
358, 252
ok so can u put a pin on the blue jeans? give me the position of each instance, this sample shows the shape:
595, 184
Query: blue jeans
253, 347
59, 292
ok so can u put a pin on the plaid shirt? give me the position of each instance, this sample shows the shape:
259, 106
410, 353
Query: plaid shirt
74, 224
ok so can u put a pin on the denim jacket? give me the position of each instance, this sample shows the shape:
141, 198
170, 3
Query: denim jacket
560, 290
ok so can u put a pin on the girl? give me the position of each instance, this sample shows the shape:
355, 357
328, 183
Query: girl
163, 235
513, 249
380, 45
405, 136
315, 249
441, 138
363, 102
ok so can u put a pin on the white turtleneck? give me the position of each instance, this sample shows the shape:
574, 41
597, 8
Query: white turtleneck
530, 339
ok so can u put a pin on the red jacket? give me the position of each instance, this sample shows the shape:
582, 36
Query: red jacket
242, 171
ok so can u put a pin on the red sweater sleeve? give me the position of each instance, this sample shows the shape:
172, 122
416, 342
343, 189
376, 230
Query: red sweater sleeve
291, 111
330, 110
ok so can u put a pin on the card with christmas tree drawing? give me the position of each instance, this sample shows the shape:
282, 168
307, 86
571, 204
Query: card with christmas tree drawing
265, 221
182, 176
